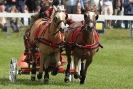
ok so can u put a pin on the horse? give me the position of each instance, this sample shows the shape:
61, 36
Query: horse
81, 43
47, 37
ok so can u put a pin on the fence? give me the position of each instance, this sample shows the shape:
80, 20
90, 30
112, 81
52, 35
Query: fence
77, 17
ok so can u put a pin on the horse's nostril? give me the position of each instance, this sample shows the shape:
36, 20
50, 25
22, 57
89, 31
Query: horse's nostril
61, 30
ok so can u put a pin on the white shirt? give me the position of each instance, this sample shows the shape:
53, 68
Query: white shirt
3, 20
107, 2
71, 2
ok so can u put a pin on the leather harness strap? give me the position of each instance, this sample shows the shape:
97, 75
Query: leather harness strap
75, 34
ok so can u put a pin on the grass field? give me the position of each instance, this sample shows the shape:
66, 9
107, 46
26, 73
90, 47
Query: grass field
112, 67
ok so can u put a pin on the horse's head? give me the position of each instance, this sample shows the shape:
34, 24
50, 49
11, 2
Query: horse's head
90, 17
59, 18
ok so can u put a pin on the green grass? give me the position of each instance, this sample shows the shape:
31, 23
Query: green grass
112, 67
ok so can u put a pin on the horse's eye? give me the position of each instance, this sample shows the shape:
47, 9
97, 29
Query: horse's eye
97, 17
55, 18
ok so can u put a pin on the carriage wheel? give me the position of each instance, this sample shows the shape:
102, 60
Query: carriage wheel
13, 70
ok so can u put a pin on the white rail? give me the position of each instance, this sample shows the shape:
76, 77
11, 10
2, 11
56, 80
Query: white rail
78, 17
75, 17
16, 14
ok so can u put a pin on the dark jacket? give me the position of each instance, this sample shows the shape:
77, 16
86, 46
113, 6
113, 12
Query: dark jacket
128, 7
31, 5
117, 4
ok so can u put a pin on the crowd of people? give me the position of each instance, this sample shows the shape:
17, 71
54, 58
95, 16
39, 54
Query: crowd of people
104, 7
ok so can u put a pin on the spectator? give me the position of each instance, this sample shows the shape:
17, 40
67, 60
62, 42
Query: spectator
20, 5
38, 7
117, 6
81, 5
3, 21
14, 21
85, 3
78, 7
107, 9
9, 4
31, 4
26, 20
128, 10
98, 6
71, 6
95, 3
62, 2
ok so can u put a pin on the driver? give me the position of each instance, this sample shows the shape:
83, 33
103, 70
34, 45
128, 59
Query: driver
46, 9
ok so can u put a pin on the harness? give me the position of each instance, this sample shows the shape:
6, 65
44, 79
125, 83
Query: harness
40, 39
96, 44
76, 33
50, 43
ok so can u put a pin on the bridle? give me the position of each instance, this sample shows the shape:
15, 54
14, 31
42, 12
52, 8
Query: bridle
57, 23
87, 23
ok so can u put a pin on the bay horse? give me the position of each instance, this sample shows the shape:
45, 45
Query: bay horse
47, 36
82, 42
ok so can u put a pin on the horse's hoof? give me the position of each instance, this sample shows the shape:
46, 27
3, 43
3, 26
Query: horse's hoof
39, 76
66, 80
76, 76
54, 72
82, 79
81, 82
46, 80
33, 78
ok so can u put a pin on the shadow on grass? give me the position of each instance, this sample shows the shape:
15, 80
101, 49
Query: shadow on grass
7, 82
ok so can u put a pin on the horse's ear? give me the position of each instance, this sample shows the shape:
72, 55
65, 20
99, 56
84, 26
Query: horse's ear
55, 8
63, 7
85, 16
83, 11
66, 16
97, 16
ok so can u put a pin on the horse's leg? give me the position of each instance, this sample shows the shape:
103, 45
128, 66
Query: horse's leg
67, 71
76, 67
46, 75
39, 75
56, 57
25, 43
84, 69
33, 69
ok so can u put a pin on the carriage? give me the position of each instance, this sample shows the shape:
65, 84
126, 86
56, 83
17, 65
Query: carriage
23, 66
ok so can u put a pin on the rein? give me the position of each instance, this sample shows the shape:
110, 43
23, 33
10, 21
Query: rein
89, 46
50, 43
